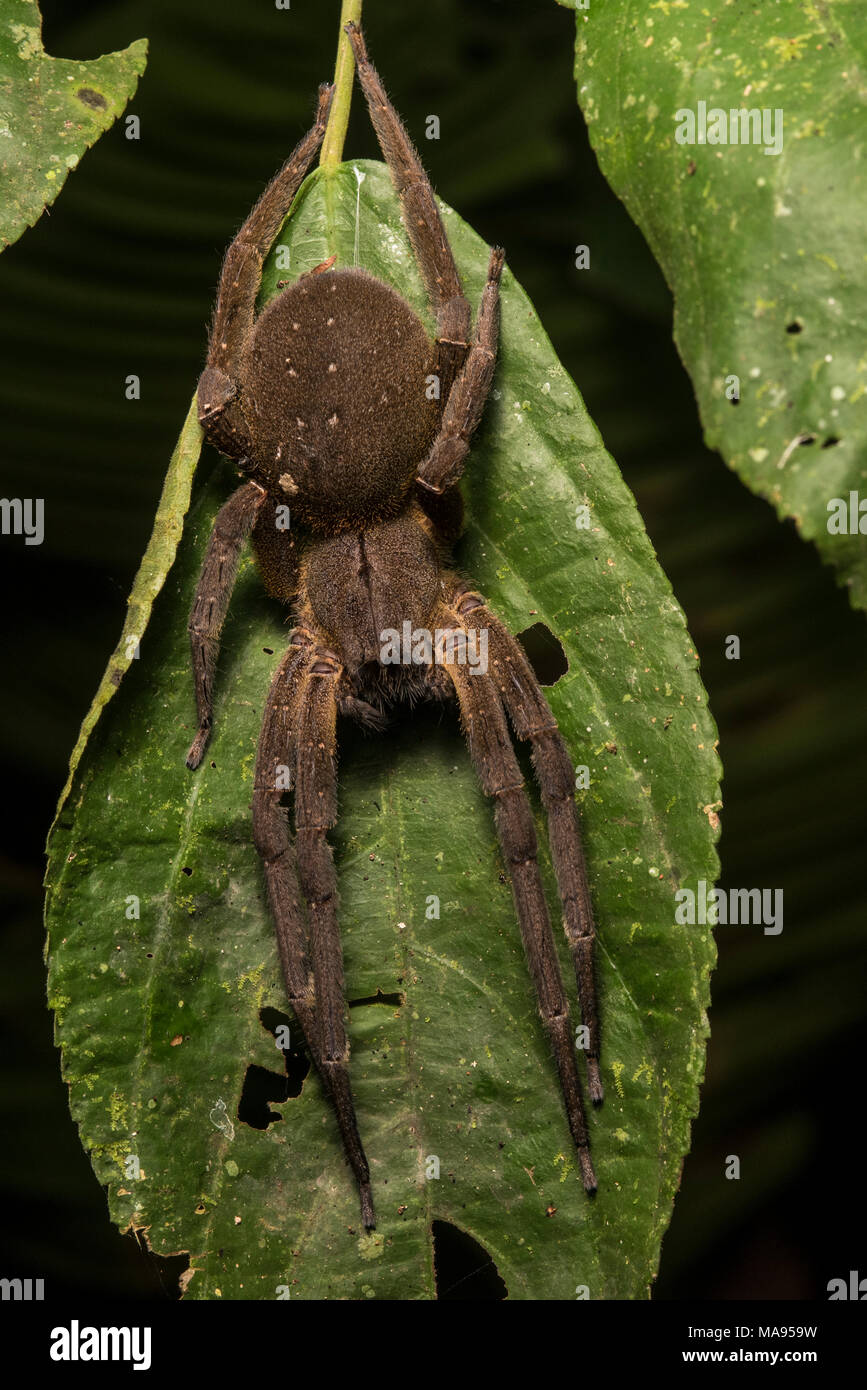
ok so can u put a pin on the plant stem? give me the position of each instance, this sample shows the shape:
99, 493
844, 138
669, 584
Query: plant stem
344, 71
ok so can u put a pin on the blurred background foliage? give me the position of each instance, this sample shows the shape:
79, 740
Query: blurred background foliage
118, 278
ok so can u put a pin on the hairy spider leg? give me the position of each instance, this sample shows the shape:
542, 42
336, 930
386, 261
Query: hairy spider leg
487, 734
299, 733
533, 720
421, 218
469, 394
240, 279
234, 522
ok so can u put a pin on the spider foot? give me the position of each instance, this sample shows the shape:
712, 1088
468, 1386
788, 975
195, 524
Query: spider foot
198, 746
588, 1177
325, 96
368, 1215
356, 35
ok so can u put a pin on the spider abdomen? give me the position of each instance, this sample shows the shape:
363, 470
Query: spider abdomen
364, 586
338, 397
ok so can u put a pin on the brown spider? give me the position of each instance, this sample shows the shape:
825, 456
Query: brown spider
324, 401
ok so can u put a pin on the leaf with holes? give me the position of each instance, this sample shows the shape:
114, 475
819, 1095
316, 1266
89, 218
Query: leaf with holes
51, 111
758, 224
163, 967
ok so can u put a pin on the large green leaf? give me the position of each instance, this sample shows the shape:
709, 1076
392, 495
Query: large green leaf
764, 252
159, 1015
51, 111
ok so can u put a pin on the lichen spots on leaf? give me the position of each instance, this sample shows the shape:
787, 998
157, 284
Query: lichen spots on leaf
89, 97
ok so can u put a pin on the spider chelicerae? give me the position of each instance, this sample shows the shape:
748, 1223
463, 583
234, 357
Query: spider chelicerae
324, 402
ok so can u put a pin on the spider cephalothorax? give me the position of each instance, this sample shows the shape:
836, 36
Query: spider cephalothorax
325, 403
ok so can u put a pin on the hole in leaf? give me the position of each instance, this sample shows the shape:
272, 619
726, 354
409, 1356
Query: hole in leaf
830, 441
394, 1001
186, 871
295, 1058
462, 1267
795, 326
260, 1088
807, 439
545, 653
272, 1019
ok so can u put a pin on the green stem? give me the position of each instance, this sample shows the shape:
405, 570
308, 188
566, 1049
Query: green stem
344, 71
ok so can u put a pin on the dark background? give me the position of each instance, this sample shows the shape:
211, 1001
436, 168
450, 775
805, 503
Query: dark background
119, 279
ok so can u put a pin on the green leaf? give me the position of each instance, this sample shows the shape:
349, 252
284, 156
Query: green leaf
156, 563
764, 253
51, 111
158, 1015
